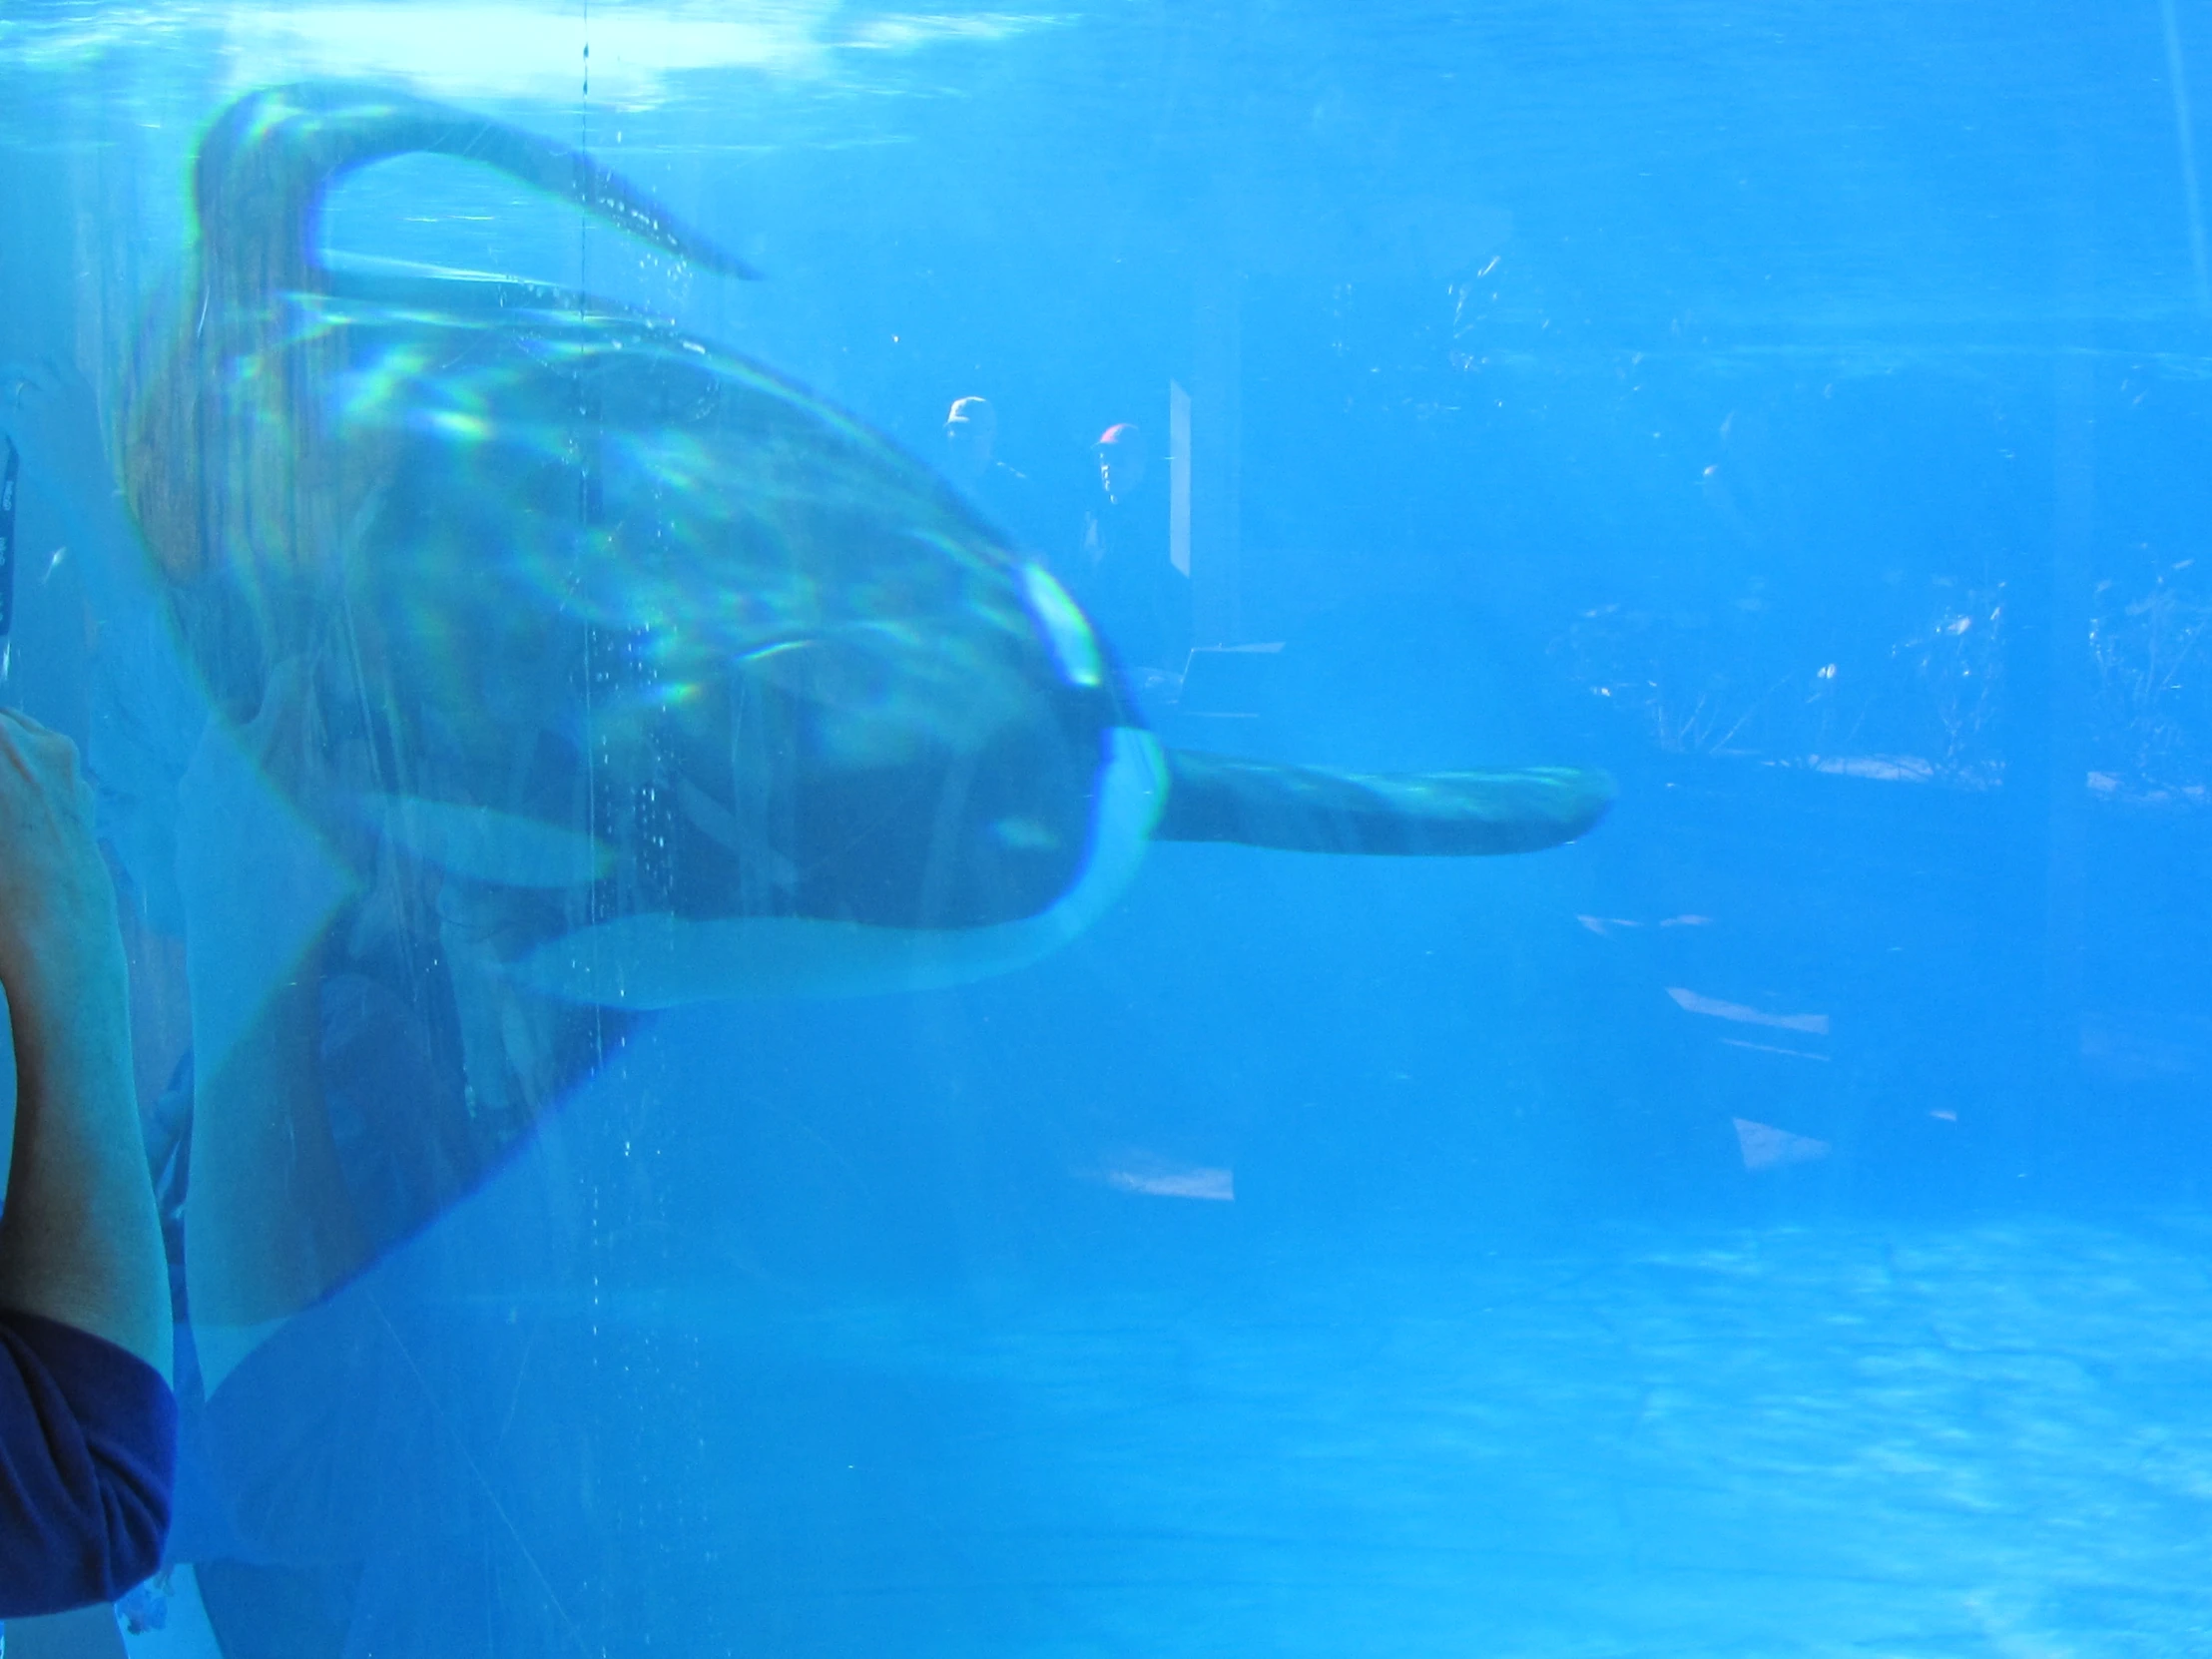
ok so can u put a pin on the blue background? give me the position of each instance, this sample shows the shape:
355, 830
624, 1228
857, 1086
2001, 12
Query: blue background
1798, 409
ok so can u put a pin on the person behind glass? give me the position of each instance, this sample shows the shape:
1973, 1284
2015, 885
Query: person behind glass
1123, 577
972, 460
87, 1421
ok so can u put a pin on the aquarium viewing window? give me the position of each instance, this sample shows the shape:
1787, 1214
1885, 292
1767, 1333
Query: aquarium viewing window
1140, 828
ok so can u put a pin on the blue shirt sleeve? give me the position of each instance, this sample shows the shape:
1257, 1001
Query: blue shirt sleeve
88, 1450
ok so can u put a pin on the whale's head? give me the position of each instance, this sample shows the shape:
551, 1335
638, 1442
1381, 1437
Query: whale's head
700, 672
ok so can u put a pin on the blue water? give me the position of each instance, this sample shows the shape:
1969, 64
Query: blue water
1773, 1225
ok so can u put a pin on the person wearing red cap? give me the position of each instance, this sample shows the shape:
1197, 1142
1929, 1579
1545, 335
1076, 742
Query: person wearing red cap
1122, 576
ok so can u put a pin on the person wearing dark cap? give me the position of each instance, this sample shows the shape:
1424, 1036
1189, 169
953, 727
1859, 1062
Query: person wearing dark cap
88, 1423
1005, 495
1123, 577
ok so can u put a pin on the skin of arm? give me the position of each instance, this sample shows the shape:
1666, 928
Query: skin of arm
269, 1227
79, 1241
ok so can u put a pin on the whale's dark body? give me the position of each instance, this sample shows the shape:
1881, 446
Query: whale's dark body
688, 682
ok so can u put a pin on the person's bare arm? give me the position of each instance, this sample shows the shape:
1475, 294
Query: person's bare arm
268, 1226
80, 1241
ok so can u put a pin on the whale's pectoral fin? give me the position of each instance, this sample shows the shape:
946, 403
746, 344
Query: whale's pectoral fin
1213, 798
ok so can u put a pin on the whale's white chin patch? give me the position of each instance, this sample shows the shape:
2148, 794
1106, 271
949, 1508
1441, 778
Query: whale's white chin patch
658, 960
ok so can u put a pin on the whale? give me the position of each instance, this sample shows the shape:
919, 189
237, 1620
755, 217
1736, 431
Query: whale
667, 680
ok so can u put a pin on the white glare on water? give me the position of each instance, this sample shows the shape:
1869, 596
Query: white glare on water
515, 51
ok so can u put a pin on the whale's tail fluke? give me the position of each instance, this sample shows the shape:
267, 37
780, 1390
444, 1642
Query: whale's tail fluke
265, 165
1215, 798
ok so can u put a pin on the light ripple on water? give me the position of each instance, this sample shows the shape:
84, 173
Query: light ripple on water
1846, 1441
